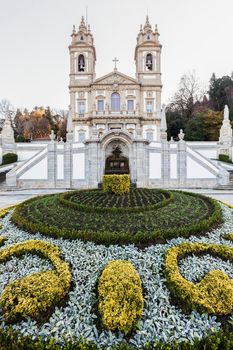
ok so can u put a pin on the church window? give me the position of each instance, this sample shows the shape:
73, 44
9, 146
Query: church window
149, 106
149, 62
130, 105
115, 102
81, 107
81, 63
100, 105
81, 136
150, 136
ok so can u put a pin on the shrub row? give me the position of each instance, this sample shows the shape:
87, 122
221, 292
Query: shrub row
11, 340
64, 199
105, 237
35, 294
117, 184
120, 296
214, 293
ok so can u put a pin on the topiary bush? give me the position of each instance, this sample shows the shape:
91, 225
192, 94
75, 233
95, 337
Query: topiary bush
118, 184
9, 158
120, 296
214, 293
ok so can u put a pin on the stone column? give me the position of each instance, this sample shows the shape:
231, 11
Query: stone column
52, 163
68, 164
182, 162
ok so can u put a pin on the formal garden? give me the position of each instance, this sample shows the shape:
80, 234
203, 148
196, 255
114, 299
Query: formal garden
117, 268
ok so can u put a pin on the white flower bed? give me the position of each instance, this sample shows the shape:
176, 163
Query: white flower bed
161, 320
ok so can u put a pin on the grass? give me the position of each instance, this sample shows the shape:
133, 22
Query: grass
187, 214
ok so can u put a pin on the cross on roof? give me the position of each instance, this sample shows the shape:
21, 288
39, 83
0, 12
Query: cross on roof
115, 60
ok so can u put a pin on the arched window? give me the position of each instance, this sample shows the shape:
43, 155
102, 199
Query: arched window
115, 102
81, 63
149, 61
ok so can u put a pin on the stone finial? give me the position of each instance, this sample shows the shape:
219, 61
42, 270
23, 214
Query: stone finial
156, 28
74, 30
181, 135
52, 136
172, 139
226, 113
163, 126
147, 24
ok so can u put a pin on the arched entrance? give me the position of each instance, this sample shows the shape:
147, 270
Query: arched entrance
116, 163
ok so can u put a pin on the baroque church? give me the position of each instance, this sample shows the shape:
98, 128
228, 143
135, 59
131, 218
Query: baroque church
116, 115
116, 126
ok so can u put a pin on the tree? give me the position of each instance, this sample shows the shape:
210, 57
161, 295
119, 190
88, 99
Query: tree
221, 92
194, 130
6, 109
188, 94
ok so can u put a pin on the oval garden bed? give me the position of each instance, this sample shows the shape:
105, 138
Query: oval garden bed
142, 217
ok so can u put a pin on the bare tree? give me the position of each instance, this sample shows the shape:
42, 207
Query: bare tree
188, 94
6, 109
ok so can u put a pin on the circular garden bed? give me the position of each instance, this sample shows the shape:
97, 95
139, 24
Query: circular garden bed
57, 293
141, 217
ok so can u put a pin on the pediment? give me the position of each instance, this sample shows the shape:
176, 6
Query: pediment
115, 78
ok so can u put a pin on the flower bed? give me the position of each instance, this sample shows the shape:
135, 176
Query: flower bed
188, 214
136, 200
162, 321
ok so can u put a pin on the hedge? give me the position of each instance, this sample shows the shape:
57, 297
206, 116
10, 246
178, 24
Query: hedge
9, 158
64, 199
120, 297
214, 293
118, 184
35, 294
18, 218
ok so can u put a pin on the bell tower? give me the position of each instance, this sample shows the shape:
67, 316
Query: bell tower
82, 56
82, 72
147, 55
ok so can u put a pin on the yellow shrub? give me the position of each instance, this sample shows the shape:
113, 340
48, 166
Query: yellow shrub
214, 293
118, 184
36, 293
120, 296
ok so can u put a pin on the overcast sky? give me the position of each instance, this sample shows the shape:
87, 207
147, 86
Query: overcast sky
35, 34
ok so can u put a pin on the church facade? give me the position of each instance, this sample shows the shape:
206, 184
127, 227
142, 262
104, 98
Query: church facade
116, 125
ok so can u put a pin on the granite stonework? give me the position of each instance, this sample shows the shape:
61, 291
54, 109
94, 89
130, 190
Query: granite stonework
116, 125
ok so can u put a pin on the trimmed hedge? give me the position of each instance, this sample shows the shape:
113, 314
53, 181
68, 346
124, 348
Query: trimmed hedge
65, 200
118, 184
9, 158
214, 293
11, 340
120, 296
35, 294
106, 237
224, 158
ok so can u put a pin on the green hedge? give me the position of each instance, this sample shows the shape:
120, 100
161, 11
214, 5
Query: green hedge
9, 158
10, 340
224, 158
106, 237
64, 199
